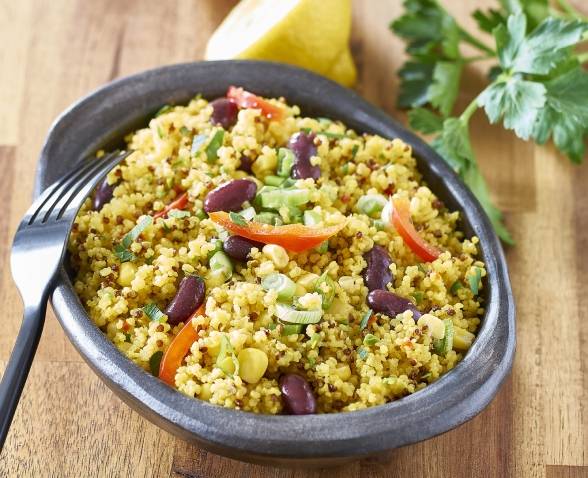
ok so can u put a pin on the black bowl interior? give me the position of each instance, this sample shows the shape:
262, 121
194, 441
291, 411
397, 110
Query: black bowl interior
102, 119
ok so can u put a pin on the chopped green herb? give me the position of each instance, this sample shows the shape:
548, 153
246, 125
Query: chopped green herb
149, 261
363, 353
306, 130
311, 362
153, 312
272, 326
237, 219
418, 296
178, 213
345, 169
169, 182
292, 329
474, 280
354, 151
154, 363
127, 337
370, 340
121, 250
365, 319
455, 287
166, 228
197, 143
184, 131
215, 143
164, 109
379, 224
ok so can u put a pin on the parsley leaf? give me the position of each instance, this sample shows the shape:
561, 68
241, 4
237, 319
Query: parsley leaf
424, 121
518, 100
565, 115
541, 51
236, 218
444, 88
365, 319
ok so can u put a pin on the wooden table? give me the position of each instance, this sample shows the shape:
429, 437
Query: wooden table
69, 424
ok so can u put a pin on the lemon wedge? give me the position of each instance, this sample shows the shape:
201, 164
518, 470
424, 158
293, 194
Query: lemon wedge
312, 34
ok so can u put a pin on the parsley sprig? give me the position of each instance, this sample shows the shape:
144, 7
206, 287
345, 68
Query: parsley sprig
537, 89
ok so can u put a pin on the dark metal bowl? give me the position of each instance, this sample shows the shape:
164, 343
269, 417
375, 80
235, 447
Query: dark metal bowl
102, 119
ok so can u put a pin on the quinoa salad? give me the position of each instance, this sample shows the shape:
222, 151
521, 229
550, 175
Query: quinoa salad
270, 262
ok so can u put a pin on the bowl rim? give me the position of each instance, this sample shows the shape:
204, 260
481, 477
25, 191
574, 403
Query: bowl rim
453, 399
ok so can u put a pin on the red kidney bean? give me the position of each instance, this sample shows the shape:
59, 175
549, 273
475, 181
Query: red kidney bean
302, 145
377, 273
224, 112
391, 304
239, 247
246, 163
103, 194
188, 298
297, 395
230, 196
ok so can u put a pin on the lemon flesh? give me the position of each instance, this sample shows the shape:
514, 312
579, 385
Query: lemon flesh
307, 33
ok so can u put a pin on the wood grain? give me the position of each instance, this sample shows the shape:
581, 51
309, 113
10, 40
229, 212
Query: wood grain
70, 424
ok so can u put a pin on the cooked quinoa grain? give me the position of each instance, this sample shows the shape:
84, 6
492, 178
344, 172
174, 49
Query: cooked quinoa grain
270, 309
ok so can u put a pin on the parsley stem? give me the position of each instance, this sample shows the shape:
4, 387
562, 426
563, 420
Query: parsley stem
476, 43
469, 111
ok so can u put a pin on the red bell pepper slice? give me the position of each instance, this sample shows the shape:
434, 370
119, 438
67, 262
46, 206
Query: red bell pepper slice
178, 349
180, 203
293, 237
402, 222
245, 99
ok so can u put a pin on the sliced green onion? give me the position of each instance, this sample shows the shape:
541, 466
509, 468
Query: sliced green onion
444, 345
248, 214
218, 246
284, 197
365, 319
292, 329
273, 180
370, 340
293, 316
288, 183
371, 204
154, 362
201, 214
197, 143
474, 280
153, 312
213, 146
226, 349
325, 282
220, 263
271, 218
178, 214
236, 218
312, 218
282, 284
314, 340
123, 254
285, 162
379, 224
330, 134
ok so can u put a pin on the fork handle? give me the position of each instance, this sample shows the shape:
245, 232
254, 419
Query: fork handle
19, 363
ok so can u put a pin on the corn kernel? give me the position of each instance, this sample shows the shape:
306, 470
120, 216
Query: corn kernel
462, 339
435, 326
252, 364
277, 254
205, 392
126, 274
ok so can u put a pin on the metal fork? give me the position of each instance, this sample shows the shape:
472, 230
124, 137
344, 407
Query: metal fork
37, 252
